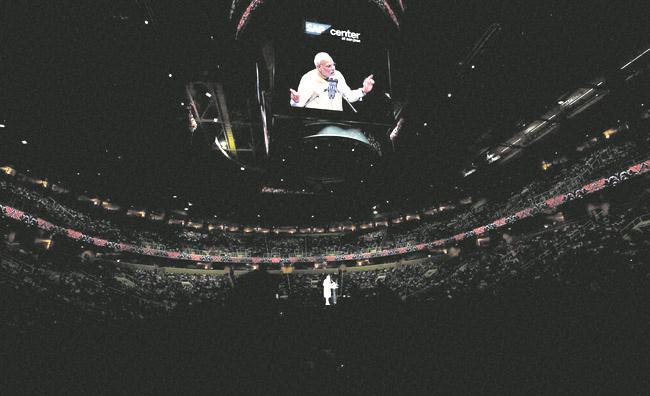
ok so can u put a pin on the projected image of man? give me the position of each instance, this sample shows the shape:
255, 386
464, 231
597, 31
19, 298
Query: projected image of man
325, 88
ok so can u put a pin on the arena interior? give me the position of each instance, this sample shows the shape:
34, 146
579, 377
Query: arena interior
473, 176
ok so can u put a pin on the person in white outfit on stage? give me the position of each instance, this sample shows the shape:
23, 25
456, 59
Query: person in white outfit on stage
327, 289
324, 87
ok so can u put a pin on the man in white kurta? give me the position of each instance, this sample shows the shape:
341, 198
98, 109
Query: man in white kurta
327, 289
325, 87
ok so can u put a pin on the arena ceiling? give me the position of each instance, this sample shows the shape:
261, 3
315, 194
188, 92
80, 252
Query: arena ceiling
93, 96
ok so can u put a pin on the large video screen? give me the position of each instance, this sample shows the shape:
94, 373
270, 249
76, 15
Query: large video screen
332, 71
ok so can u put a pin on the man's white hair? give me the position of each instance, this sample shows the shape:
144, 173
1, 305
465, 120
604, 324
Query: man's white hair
321, 56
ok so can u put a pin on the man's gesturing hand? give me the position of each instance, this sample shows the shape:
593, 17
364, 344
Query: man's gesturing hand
295, 96
368, 83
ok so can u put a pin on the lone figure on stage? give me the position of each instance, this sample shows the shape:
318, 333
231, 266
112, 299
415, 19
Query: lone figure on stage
327, 289
324, 87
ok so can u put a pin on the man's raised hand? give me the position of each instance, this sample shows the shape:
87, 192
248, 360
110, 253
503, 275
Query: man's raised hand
368, 83
295, 96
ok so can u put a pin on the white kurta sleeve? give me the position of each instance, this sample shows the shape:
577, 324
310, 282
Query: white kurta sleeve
306, 89
352, 95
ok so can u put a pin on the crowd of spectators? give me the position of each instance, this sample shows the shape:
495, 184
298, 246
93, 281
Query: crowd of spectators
45, 288
589, 253
598, 162
606, 246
